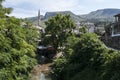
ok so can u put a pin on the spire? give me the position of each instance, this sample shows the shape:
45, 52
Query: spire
39, 18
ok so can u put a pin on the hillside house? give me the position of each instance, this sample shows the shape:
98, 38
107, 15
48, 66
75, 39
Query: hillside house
89, 26
112, 34
116, 26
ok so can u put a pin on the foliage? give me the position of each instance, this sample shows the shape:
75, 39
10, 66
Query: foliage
69, 45
89, 60
108, 29
4, 10
58, 69
83, 30
17, 52
58, 28
112, 69
32, 35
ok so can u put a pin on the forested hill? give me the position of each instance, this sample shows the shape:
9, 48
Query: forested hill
34, 19
98, 15
101, 14
73, 16
48, 15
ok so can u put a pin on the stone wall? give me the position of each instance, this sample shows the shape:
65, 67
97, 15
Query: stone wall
113, 42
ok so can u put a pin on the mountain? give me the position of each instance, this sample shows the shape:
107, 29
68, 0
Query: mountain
94, 16
48, 15
101, 15
34, 19
73, 16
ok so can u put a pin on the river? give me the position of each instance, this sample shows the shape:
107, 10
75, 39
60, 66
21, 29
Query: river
40, 72
44, 77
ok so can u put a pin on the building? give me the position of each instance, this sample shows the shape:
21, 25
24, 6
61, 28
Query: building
89, 26
112, 34
39, 25
116, 26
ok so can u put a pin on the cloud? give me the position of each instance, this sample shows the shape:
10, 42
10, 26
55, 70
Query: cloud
21, 13
100, 0
28, 6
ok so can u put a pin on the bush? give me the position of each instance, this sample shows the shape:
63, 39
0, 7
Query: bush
90, 60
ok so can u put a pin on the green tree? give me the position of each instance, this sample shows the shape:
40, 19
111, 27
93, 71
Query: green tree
111, 71
58, 28
32, 34
4, 10
85, 53
17, 54
88, 57
83, 30
89, 60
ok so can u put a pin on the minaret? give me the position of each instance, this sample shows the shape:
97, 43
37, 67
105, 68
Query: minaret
39, 19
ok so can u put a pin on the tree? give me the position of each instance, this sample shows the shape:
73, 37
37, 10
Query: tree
89, 60
58, 28
83, 30
3, 10
32, 35
17, 54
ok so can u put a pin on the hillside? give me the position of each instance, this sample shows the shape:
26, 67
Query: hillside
34, 19
48, 15
94, 16
101, 15
73, 16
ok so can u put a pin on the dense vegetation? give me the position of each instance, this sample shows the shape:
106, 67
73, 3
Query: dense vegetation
87, 59
57, 30
17, 47
84, 57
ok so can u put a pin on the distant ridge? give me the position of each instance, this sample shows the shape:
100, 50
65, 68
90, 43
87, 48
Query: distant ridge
98, 15
48, 15
73, 16
102, 14
34, 19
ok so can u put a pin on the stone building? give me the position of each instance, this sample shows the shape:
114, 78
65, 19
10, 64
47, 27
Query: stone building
112, 34
116, 26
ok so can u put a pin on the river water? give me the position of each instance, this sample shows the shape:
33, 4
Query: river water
43, 77
41, 72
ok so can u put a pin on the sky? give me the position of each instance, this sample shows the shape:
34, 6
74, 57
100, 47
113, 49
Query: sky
29, 8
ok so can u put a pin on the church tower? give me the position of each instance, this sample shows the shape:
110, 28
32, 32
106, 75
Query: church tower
39, 18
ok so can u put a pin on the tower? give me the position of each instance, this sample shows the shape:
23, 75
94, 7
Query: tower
39, 18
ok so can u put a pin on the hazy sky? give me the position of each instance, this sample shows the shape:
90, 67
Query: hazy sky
29, 8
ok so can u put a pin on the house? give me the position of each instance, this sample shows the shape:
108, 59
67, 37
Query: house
112, 34
116, 26
89, 26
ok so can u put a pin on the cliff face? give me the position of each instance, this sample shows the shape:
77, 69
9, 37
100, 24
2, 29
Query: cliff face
73, 16
48, 15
